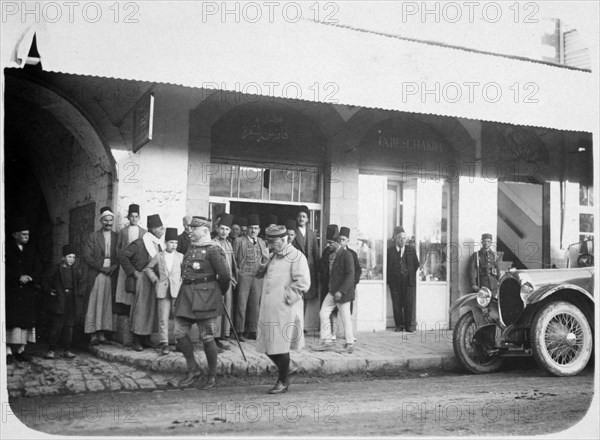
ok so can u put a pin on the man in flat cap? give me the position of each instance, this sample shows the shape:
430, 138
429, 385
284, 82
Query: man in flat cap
205, 277
236, 230
251, 253
306, 241
100, 254
23, 272
128, 234
337, 286
483, 268
134, 258
402, 265
223, 328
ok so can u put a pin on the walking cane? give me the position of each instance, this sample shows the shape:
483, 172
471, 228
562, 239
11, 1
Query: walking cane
235, 333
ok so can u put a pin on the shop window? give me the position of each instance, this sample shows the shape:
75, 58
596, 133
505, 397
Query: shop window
282, 182
220, 180
586, 217
586, 195
251, 183
371, 200
309, 187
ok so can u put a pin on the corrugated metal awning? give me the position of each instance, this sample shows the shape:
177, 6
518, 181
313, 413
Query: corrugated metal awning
311, 61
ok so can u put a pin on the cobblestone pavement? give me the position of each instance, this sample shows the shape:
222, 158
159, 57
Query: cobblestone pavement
113, 367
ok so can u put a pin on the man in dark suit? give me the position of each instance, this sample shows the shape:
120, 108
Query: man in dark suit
338, 286
306, 241
100, 255
402, 265
23, 272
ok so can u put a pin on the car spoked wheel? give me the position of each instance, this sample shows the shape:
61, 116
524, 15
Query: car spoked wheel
561, 339
470, 351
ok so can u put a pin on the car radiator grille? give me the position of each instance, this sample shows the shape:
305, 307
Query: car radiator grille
509, 301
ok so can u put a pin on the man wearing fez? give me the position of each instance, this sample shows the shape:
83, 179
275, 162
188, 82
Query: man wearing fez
344, 239
23, 272
223, 328
100, 254
243, 221
183, 241
251, 254
166, 284
205, 277
306, 241
402, 265
337, 286
134, 258
483, 268
130, 233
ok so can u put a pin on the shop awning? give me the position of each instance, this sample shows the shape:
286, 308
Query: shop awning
309, 61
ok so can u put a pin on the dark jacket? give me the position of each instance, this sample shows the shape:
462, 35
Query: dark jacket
357, 269
56, 284
310, 248
393, 266
134, 257
20, 298
341, 276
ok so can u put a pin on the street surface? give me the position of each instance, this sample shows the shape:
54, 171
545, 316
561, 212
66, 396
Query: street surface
518, 402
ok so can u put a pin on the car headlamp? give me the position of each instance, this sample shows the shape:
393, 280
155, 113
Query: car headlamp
484, 296
526, 290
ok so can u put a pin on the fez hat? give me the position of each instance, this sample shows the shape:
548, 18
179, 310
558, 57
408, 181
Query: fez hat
273, 220
133, 208
332, 232
345, 231
226, 220
104, 211
276, 231
397, 230
253, 220
200, 221
304, 209
154, 221
486, 235
171, 234
242, 221
290, 224
68, 249
20, 224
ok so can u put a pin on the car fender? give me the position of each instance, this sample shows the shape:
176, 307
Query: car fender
468, 303
545, 291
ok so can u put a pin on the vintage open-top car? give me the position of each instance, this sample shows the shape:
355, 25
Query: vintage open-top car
547, 312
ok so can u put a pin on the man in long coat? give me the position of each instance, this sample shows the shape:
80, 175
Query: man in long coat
402, 265
134, 258
281, 316
100, 255
306, 241
23, 272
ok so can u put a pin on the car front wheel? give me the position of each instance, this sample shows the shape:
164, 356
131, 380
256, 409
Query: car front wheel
561, 339
472, 353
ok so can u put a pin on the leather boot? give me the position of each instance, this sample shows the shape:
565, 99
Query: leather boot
187, 348
137, 343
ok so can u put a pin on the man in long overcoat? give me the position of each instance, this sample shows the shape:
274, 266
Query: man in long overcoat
23, 272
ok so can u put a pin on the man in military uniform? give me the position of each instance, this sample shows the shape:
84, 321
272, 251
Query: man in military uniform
205, 278
483, 268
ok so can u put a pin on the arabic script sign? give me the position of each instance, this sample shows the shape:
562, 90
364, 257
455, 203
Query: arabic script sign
270, 128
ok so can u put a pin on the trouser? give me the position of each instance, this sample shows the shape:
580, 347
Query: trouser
61, 325
248, 302
403, 303
327, 331
164, 310
206, 329
223, 328
282, 361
